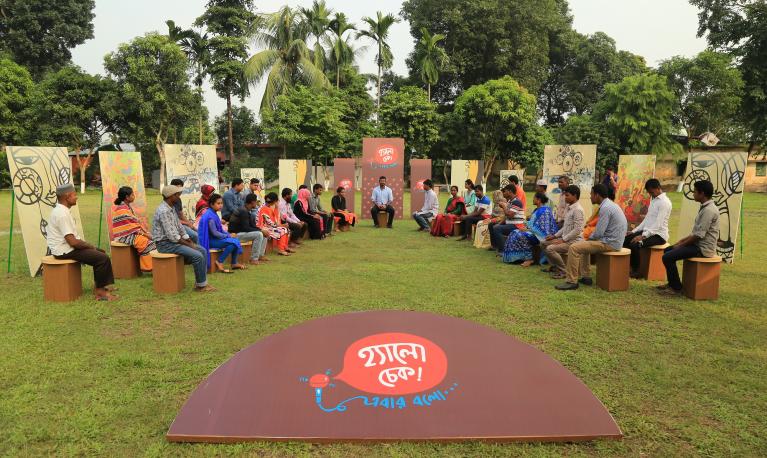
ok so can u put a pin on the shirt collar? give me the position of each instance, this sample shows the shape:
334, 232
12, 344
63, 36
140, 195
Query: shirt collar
603, 203
707, 203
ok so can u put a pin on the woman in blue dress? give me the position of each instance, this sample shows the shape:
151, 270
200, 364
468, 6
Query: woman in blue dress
519, 245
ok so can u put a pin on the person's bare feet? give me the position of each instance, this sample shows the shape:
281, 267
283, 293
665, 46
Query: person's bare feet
239, 267
254, 262
290, 250
527, 263
283, 253
103, 294
220, 267
264, 259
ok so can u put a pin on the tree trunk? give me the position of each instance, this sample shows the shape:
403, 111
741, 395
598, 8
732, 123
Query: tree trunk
444, 173
229, 127
160, 145
82, 175
489, 168
378, 103
199, 93
428, 87
338, 76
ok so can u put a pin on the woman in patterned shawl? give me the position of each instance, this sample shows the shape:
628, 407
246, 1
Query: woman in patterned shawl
128, 229
519, 245
269, 219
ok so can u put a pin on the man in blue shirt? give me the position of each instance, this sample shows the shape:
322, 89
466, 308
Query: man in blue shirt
482, 210
233, 199
607, 236
382, 199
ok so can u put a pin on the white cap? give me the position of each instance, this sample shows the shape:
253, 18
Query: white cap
541, 183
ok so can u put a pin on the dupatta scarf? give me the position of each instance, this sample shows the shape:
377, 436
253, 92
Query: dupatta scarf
519, 245
127, 229
204, 233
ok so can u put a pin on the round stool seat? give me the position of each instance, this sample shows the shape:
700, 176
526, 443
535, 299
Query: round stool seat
53, 261
118, 244
714, 260
158, 255
621, 252
244, 244
660, 247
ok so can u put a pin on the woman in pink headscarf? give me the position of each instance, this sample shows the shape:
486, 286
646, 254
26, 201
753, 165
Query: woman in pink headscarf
301, 210
202, 204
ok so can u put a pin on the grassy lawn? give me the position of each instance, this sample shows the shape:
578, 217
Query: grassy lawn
681, 378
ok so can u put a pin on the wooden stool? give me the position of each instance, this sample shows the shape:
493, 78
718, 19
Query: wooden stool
383, 219
125, 263
700, 278
167, 272
651, 263
457, 229
613, 270
345, 228
247, 251
306, 234
214, 253
62, 279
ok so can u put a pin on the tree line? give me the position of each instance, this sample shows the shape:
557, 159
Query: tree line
487, 79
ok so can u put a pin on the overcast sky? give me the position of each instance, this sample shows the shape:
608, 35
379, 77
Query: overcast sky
655, 29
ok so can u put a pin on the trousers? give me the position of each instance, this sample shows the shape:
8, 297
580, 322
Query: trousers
259, 243
652, 240
102, 265
196, 256
422, 219
671, 256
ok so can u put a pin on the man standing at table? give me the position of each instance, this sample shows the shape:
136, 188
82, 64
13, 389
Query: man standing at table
430, 207
382, 199
64, 243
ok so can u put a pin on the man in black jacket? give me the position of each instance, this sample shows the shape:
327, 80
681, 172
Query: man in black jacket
241, 222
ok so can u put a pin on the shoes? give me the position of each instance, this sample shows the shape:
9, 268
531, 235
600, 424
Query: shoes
389, 227
670, 292
567, 286
558, 276
461, 239
635, 274
586, 281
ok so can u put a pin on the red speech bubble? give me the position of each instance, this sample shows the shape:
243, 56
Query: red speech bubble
386, 154
419, 185
393, 363
346, 184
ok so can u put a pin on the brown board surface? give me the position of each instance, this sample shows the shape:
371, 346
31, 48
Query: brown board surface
383, 157
420, 170
343, 175
391, 375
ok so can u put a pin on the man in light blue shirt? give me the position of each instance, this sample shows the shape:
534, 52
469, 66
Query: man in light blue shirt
382, 199
607, 236
233, 199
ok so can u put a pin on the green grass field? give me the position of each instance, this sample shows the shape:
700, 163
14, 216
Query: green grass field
681, 378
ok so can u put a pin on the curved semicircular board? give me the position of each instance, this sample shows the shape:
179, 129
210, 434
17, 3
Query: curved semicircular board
391, 376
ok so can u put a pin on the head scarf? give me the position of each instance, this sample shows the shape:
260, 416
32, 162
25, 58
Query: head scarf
303, 197
202, 204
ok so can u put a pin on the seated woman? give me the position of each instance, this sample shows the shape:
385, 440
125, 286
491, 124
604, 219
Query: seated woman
301, 210
128, 229
482, 233
443, 223
213, 236
202, 204
342, 215
269, 219
469, 197
519, 245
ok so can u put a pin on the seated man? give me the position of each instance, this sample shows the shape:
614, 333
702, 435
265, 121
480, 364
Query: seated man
243, 224
296, 226
430, 207
558, 244
382, 199
315, 208
188, 225
254, 187
608, 236
563, 182
701, 242
515, 218
64, 243
233, 199
653, 230
482, 209
520, 191
170, 237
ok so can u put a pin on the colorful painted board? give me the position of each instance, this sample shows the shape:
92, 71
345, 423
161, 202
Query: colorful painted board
420, 171
383, 157
294, 173
196, 166
343, 175
248, 174
391, 376
118, 169
505, 174
35, 174
460, 171
727, 171
633, 172
576, 161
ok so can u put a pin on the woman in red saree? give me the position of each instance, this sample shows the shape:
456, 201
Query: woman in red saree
269, 219
443, 223
128, 229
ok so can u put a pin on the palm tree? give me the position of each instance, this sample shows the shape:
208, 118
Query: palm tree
316, 20
431, 58
378, 31
197, 49
176, 33
286, 59
342, 51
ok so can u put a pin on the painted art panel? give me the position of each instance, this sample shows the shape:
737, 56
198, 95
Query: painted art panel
576, 161
35, 174
250, 173
343, 175
633, 172
295, 172
460, 171
118, 169
420, 171
505, 174
383, 157
727, 171
196, 166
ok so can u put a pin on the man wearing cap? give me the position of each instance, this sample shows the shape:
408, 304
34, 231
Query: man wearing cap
541, 186
170, 237
64, 243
